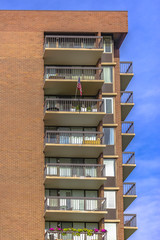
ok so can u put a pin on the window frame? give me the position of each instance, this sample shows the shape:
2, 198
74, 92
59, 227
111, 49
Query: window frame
111, 43
114, 169
105, 98
114, 199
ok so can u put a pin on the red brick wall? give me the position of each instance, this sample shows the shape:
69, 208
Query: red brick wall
21, 131
76, 21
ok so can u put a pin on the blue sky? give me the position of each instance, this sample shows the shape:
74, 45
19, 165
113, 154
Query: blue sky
142, 46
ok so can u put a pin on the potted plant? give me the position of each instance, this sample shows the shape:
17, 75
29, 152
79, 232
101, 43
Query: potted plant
83, 108
77, 108
73, 109
94, 109
89, 109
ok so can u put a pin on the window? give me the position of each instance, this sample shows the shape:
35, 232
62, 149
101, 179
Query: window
108, 105
108, 44
108, 136
110, 199
109, 167
108, 74
111, 231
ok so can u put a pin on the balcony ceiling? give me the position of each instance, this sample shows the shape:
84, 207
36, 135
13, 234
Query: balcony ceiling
66, 215
71, 56
125, 79
74, 182
73, 150
73, 118
68, 87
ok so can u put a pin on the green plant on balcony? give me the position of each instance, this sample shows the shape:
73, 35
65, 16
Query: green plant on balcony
89, 109
73, 109
77, 108
77, 232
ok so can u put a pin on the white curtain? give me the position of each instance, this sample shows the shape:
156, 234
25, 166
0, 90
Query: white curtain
109, 167
65, 171
78, 204
91, 204
51, 170
110, 199
91, 172
111, 231
90, 136
76, 138
108, 74
76, 73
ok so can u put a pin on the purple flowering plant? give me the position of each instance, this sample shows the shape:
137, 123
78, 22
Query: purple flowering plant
103, 230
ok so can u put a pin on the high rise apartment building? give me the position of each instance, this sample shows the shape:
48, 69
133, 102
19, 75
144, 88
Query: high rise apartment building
64, 161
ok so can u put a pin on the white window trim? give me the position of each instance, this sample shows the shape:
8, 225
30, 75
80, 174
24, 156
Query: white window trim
111, 43
114, 203
114, 169
105, 104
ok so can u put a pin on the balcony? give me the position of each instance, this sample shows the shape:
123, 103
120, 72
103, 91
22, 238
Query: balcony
63, 80
126, 74
52, 235
130, 225
73, 112
81, 144
74, 209
126, 103
74, 176
72, 50
128, 163
127, 134
129, 194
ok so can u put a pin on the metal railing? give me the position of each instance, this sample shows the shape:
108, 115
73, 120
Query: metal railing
74, 170
126, 67
53, 235
128, 157
130, 220
127, 127
84, 73
126, 97
84, 42
73, 137
75, 203
74, 105
129, 189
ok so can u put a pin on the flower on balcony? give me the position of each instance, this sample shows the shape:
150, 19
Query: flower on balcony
103, 230
77, 232
59, 229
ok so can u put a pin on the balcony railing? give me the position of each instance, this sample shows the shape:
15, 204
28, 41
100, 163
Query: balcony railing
128, 157
74, 170
127, 127
75, 203
129, 189
74, 105
126, 67
130, 220
84, 42
52, 235
84, 73
126, 97
73, 137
